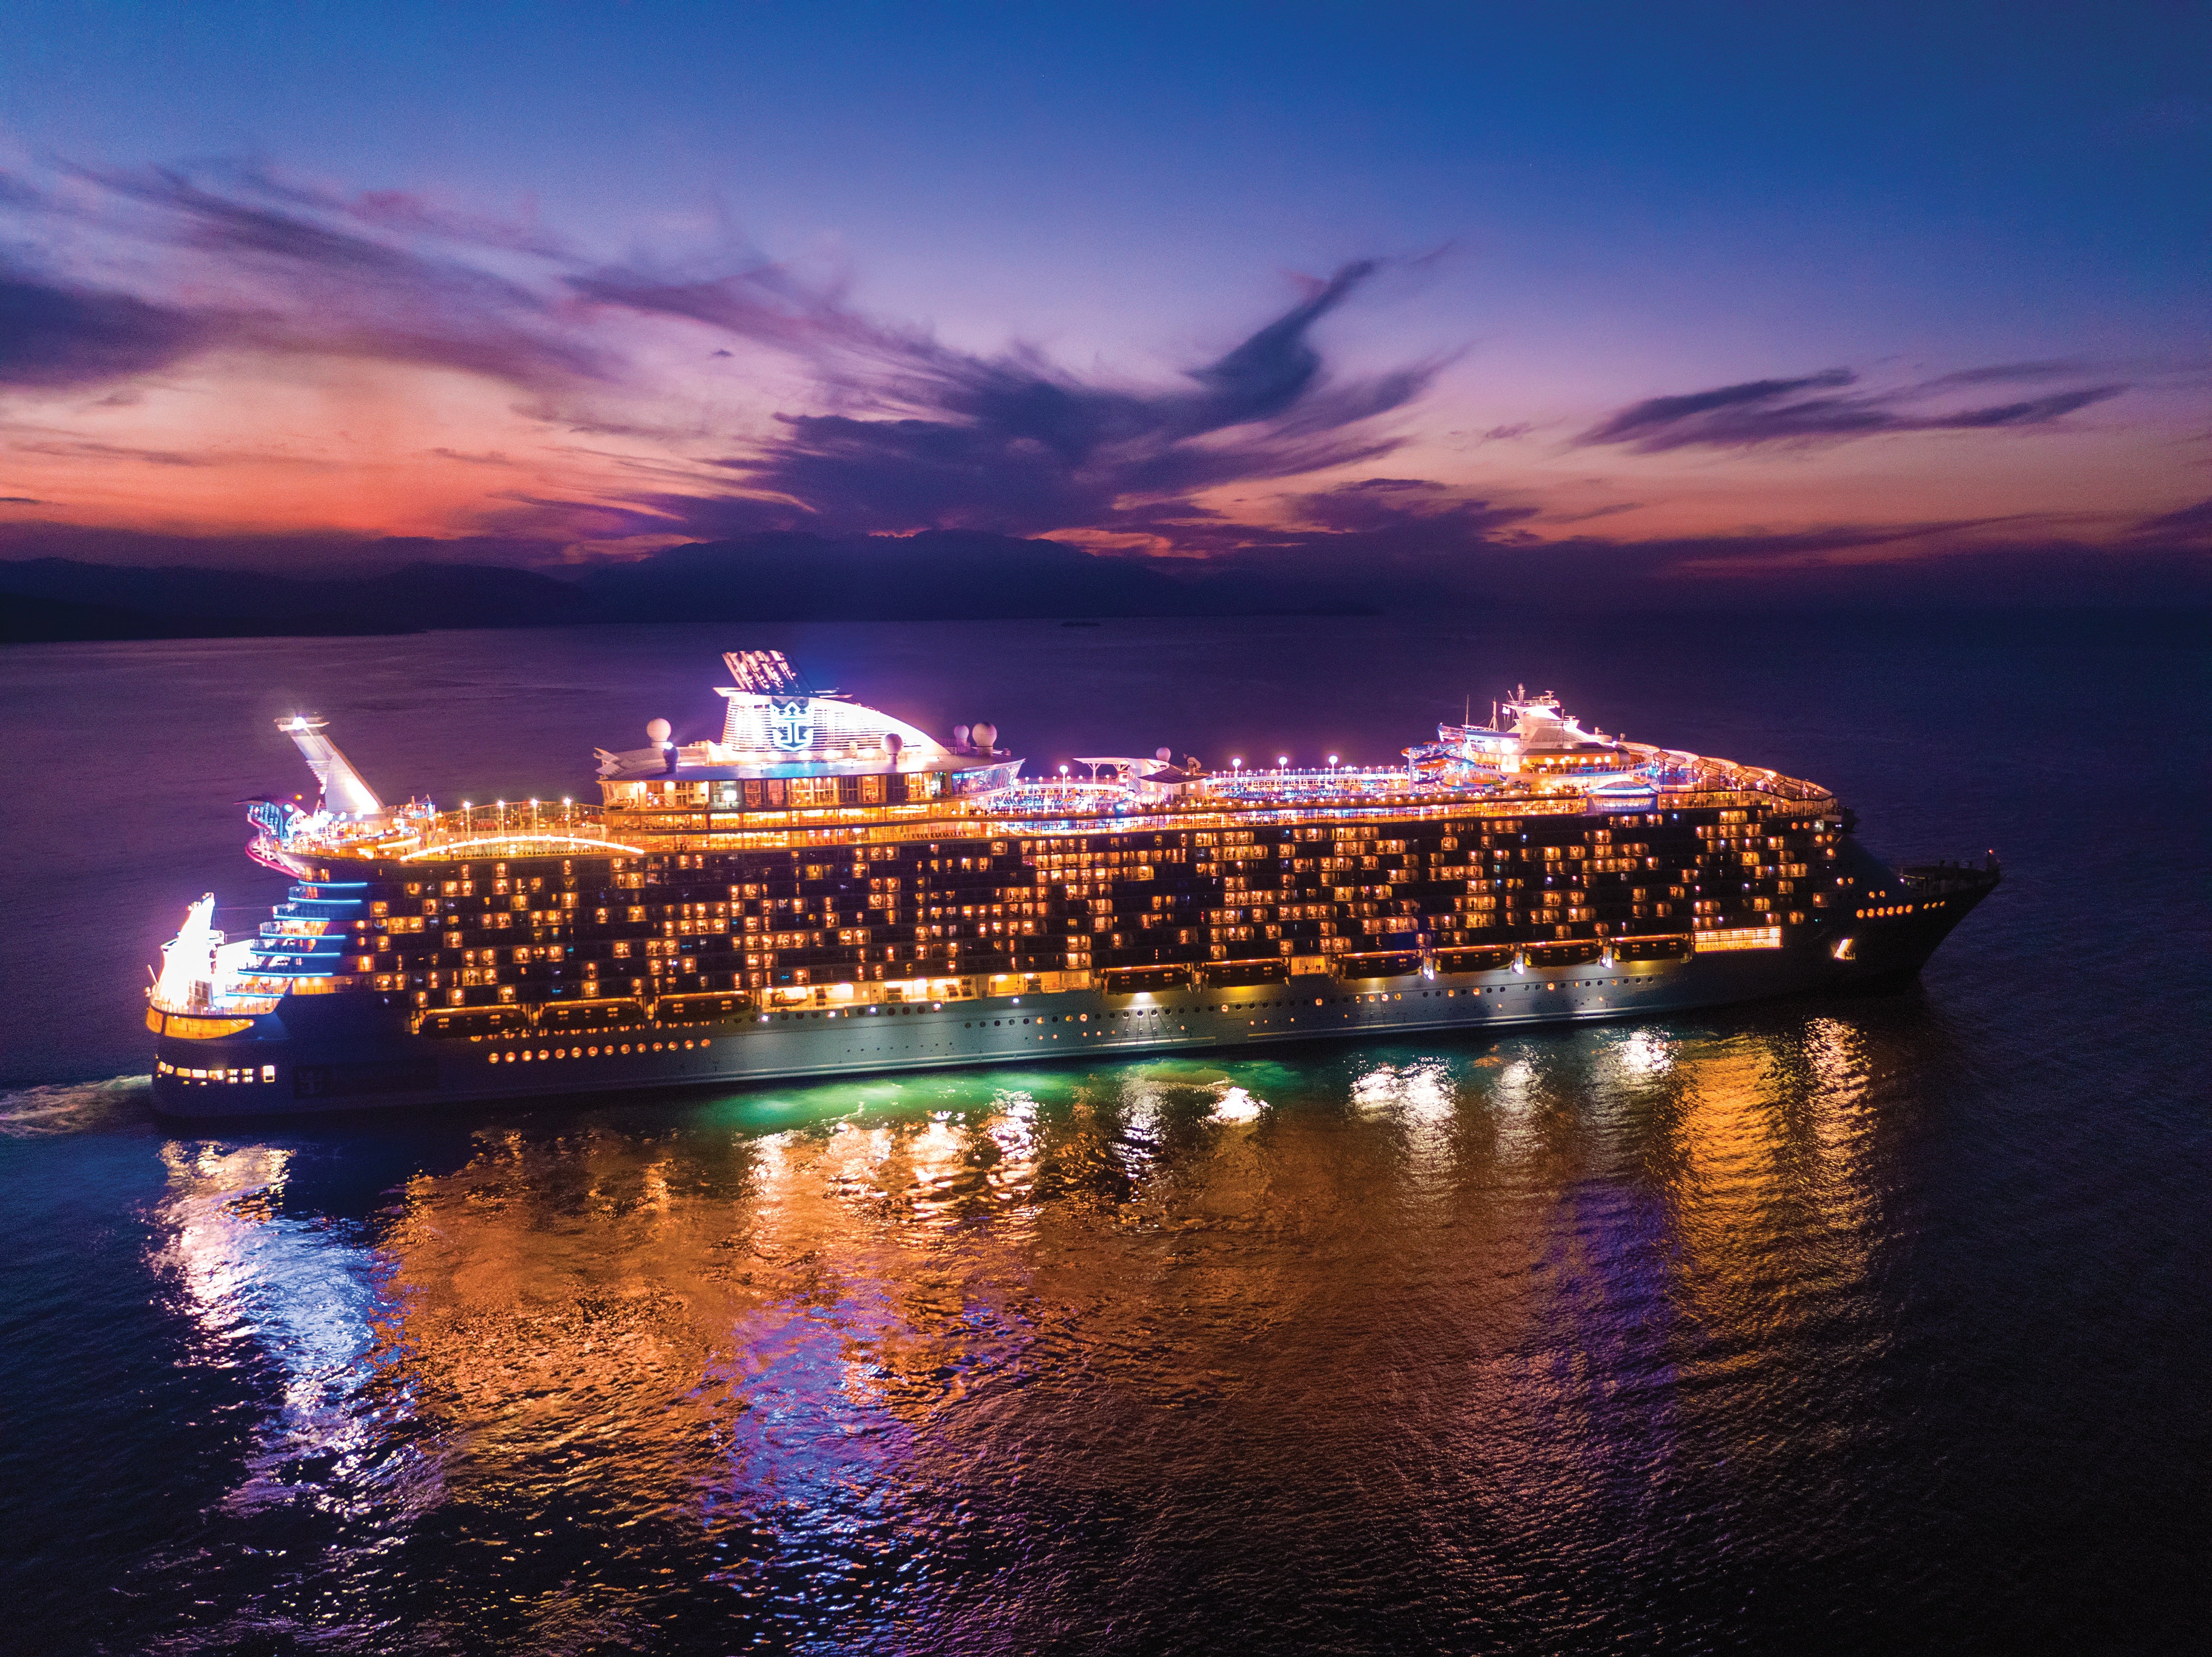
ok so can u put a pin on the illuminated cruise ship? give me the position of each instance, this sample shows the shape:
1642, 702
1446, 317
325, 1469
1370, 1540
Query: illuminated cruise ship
827, 890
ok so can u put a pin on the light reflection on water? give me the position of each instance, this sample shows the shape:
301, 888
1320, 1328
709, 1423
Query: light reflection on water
856, 1365
1870, 1324
318, 1310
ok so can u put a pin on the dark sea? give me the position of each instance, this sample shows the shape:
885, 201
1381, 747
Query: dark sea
1835, 1325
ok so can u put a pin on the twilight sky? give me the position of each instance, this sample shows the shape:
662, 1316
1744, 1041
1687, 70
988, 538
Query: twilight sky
1726, 295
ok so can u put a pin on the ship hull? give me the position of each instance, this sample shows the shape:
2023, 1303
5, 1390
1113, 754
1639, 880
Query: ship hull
322, 1059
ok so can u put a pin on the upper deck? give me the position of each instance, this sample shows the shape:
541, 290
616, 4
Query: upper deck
797, 768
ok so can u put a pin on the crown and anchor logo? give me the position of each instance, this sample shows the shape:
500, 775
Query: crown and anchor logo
790, 707
791, 723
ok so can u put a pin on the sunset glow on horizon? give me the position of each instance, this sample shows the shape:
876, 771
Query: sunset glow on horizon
1727, 299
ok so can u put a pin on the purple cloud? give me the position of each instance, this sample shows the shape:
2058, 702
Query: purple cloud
1374, 529
258, 265
2190, 526
53, 336
1012, 443
1999, 373
1814, 408
907, 432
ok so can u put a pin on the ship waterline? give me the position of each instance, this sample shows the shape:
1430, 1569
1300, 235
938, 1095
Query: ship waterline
827, 890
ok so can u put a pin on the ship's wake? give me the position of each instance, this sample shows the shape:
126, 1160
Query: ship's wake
64, 1107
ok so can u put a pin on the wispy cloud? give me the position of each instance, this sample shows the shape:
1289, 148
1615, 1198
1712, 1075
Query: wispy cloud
54, 335
1013, 442
1371, 529
1818, 408
2008, 373
116, 274
1613, 510
2192, 525
624, 407
899, 430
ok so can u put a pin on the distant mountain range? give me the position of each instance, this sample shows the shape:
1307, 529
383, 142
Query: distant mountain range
123, 586
936, 576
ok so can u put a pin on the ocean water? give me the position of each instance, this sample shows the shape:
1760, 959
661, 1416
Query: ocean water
1830, 1325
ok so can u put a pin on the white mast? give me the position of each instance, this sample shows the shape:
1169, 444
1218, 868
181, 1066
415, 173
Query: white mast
344, 791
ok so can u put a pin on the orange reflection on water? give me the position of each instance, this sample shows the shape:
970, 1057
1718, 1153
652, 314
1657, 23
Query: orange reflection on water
821, 1348
1765, 1167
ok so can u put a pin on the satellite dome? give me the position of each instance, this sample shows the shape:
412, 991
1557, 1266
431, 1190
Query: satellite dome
656, 731
1165, 756
986, 737
959, 736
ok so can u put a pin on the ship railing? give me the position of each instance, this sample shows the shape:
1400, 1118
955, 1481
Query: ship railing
695, 1006
1060, 796
1935, 880
205, 997
812, 831
1677, 769
1818, 802
504, 829
512, 829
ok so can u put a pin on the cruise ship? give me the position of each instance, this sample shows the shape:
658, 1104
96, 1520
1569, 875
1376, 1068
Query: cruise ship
826, 890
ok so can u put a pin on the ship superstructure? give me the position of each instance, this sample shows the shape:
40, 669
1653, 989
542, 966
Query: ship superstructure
824, 888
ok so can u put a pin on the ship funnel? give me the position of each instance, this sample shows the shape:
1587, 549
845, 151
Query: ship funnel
343, 790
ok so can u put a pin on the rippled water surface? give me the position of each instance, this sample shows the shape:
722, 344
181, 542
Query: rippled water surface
1834, 1324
